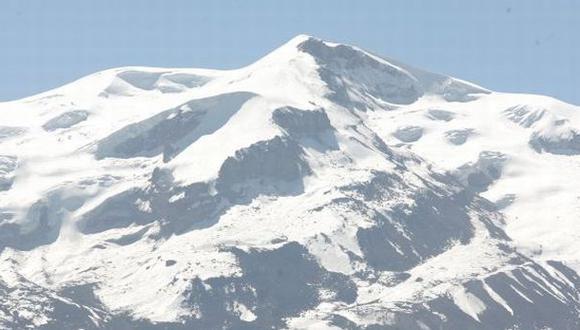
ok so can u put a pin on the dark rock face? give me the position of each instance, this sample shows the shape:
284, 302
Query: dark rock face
196, 208
524, 115
275, 285
62, 312
8, 165
479, 175
357, 79
406, 235
523, 303
310, 128
268, 167
277, 160
298, 122
384, 219
565, 144
341, 65
284, 282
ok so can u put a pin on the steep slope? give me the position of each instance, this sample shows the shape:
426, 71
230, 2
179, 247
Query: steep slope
320, 187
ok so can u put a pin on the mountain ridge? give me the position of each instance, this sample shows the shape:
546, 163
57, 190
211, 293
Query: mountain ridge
319, 187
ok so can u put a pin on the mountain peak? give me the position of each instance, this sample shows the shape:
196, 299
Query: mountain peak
300, 38
320, 187
356, 78
315, 46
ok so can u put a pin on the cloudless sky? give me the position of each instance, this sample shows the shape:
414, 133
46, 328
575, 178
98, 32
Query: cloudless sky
506, 45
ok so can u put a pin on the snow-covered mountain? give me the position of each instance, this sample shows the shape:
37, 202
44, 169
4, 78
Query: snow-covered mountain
321, 187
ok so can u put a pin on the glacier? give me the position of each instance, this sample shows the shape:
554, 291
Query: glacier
321, 187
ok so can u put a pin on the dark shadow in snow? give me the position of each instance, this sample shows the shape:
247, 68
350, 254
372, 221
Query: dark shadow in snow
408, 133
140, 79
442, 115
66, 120
164, 82
186, 79
171, 131
7, 132
155, 80
459, 136
42, 222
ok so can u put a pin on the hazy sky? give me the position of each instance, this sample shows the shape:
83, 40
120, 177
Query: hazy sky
519, 46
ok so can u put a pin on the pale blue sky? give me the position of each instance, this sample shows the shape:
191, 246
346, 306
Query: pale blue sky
520, 46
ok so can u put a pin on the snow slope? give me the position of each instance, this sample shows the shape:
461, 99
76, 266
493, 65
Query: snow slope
320, 187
